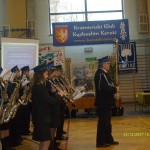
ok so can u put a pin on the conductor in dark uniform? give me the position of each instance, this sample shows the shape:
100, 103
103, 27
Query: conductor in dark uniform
104, 101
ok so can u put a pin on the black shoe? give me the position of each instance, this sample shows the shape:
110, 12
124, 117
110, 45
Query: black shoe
62, 138
114, 143
103, 145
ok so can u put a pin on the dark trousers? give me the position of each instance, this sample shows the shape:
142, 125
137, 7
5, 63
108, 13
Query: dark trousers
104, 127
25, 112
59, 132
14, 132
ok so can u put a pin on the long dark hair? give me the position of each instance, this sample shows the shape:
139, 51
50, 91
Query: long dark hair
38, 77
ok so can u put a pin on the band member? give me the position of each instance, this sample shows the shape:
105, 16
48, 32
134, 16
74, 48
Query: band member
25, 111
4, 127
55, 111
42, 103
60, 131
15, 138
105, 91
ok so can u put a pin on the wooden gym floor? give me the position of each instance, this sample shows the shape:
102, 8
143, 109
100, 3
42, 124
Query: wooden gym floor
132, 133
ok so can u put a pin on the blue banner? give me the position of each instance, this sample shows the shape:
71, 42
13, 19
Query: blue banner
127, 58
91, 32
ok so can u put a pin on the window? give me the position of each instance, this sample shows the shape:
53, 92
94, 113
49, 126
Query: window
84, 10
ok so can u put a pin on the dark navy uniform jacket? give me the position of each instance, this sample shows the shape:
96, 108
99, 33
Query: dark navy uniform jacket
104, 90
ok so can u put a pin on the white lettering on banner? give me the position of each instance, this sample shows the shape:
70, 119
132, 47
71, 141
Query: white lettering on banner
125, 66
87, 27
85, 34
108, 33
108, 26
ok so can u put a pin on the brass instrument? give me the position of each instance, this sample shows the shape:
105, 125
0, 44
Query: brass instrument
65, 81
62, 87
26, 97
66, 98
11, 108
60, 84
4, 96
77, 93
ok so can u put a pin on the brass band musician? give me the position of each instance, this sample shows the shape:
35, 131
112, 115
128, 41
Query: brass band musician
4, 127
54, 91
41, 107
15, 138
25, 110
60, 131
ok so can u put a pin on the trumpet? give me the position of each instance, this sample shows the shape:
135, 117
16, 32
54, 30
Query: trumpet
54, 85
64, 80
66, 96
59, 83
77, 92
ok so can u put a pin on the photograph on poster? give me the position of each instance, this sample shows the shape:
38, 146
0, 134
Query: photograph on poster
52, 54
83, 74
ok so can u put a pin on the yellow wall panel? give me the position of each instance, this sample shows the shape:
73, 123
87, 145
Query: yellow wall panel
16, 13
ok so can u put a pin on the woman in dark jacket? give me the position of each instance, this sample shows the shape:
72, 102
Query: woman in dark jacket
41, 108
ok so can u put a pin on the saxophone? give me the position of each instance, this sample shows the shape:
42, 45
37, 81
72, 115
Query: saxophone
26, 95
11, 108
3, 91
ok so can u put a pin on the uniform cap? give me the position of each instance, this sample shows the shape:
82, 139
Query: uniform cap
14, 69
40, 68
103, 60
25, 68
